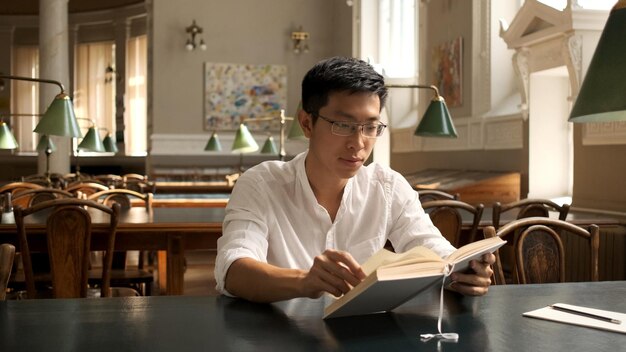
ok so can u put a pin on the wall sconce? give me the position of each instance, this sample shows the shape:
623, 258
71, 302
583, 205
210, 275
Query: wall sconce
109, 73
194, 30
300, 41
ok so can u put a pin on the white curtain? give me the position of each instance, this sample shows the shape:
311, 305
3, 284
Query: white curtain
135, 115
94, 96
25, 97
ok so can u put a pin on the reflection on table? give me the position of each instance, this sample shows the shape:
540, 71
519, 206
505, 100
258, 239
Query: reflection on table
490, 323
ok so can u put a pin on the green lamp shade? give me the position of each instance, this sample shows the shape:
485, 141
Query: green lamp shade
602, 94
109, 144
7, 141
213, 145
295, 131
45, 143
244, 142
59, 119
92, 142
436, 121
269, 147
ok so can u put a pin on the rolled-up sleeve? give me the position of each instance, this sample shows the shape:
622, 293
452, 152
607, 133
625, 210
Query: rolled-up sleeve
244, 230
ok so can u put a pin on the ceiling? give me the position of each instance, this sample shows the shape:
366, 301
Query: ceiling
31, 7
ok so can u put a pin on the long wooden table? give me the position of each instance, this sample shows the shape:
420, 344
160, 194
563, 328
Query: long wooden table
173, 230
490, 323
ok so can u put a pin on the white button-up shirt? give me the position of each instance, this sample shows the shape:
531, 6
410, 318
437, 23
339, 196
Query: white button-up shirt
273, 216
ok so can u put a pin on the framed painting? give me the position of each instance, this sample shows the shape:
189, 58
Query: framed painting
236, 92
447, 72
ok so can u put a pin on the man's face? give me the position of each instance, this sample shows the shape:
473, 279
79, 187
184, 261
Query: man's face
336, 156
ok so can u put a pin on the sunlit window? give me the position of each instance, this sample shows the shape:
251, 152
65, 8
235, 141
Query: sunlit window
397, 42
25, 97
587, 4
135, 115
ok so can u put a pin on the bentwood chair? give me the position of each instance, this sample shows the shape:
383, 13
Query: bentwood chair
68, 235
428, 195
528, 208
7, 254
17, 187
33, 196
86, 188
121, 275
446, 215
539, 250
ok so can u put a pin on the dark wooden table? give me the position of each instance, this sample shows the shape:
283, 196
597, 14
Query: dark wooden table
173, 230
163, 323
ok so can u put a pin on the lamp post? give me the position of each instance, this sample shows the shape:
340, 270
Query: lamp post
436, 121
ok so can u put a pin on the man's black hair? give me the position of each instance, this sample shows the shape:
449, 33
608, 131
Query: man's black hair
339, 74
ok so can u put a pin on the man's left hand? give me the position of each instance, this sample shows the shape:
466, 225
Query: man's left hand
475, 282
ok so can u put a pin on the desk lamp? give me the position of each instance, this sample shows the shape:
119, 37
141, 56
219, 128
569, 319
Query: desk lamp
602, 95
213, 145
243, 143
7, 140
436, 121
108, 142
59, 118
45, 145
91, 142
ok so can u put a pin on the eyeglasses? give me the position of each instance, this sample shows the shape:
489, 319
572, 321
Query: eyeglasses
345, 128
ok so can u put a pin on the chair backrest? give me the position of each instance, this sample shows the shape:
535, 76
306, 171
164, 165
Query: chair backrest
528, 208
122, 197
539, 251
68, 236
110, 180
86, 188
7, 254
33, 196
446, 216
17, 187
428, 195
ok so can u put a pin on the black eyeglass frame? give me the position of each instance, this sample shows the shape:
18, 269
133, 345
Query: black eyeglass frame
380, 127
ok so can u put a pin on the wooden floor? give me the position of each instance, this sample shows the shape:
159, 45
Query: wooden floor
199, 278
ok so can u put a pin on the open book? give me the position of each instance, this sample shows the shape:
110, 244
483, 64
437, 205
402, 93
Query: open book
394, 278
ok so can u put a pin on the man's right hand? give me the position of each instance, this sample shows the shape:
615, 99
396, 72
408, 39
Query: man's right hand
335, 272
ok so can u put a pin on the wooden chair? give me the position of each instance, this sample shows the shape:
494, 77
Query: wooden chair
7, 254
68, 236
138, 183
17, 187
122, 197
539, 250
34, 196
446, 216
528, 208
121, 275
86, 188
111, 181
428, 195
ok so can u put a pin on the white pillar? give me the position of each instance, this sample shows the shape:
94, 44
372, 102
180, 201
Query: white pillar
54, 64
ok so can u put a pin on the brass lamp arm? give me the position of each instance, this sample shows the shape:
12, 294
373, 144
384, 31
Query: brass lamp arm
43, 80
434, 88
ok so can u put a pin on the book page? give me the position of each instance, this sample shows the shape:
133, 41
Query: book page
386, 258
470, 249
548, 313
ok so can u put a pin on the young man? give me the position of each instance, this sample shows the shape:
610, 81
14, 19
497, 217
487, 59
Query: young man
301, 228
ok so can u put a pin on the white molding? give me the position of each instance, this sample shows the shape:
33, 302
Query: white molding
604, 133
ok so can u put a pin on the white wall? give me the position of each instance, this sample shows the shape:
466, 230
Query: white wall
549, 135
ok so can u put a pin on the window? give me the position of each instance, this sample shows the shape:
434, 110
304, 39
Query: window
397, 40
25, 97
587, 4
135, 115
94, 97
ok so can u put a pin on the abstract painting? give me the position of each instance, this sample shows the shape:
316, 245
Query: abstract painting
233, 92
447, 71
